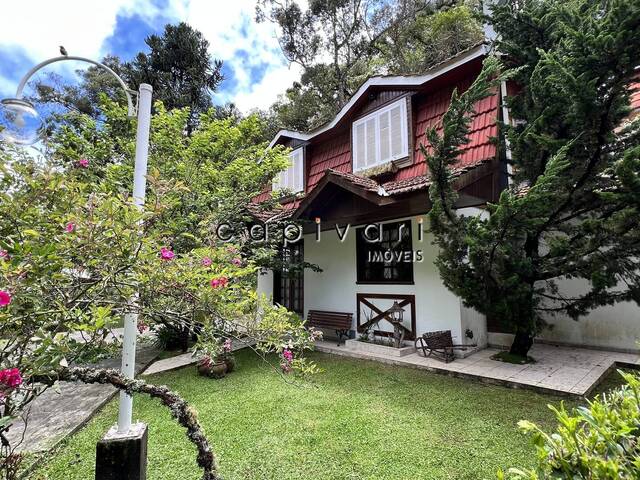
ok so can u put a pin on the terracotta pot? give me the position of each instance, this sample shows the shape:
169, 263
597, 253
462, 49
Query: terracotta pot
213, 370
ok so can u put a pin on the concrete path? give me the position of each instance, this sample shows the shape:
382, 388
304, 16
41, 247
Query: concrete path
558, 370
55, 415
179, 361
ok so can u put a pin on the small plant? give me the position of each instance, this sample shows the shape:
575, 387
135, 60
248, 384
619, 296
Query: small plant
599, 441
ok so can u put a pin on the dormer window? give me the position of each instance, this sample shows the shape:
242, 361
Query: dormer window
292, 179
381, 136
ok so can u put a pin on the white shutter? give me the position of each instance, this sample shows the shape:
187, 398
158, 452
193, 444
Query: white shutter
385, 137
371, 155
359, 146
297, 182
381, 136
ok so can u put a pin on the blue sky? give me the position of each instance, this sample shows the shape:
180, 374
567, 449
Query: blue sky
254, 67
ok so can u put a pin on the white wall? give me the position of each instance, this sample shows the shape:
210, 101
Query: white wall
616, 327
265, 283
335, 287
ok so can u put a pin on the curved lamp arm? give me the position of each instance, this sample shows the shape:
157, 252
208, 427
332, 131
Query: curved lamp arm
132, 109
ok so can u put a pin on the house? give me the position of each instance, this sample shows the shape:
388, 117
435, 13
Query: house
359, 186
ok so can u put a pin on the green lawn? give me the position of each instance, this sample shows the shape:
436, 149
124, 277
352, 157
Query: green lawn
357, 420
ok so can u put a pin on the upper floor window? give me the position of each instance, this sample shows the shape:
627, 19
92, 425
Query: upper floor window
381, 136
292, 178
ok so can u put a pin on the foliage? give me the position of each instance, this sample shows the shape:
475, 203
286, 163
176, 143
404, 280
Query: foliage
599, 441
340, 44
178, 66
571, 211
76, 255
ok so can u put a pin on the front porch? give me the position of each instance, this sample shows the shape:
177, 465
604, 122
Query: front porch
569, 371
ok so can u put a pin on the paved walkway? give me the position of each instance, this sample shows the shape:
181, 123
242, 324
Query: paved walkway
179, 361
558, 370
56, 414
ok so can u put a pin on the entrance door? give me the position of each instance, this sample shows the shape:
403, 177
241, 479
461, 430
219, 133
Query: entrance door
288, 282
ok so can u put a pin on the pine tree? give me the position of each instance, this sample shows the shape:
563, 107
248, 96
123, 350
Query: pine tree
571, 211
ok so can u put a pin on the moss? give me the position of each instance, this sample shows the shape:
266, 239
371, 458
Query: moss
511, 358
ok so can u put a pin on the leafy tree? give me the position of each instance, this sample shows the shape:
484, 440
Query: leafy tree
571, 213
74, 250
178, 66
340, 44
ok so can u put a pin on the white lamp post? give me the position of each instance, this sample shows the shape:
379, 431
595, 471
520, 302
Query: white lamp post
21, 125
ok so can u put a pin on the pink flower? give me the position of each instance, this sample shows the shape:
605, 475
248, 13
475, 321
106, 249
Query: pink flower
4, 255
227, 345
70, 227
166, 254
83, 163
232, 249
5, 298
219, 282
142, 326
237, 261
287, 355
10, 377
206, 262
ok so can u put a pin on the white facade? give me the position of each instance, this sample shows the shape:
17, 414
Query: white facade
614, 327
335, 288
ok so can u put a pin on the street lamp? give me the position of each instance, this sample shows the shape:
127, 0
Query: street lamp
21, 124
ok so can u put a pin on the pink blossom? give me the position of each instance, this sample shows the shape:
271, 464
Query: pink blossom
11, 377
4, 255
287, 355
206, 262
232, 249
83, 163
219, 282
227, 345
166, 254
237, 261
5, 298
142, 326
70, 227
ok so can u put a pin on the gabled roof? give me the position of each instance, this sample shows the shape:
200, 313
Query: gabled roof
394, 81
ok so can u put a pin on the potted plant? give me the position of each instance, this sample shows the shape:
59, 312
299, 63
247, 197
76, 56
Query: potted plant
208, 367
216, 358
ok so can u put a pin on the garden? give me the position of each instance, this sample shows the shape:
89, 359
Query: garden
356, 419
86, 252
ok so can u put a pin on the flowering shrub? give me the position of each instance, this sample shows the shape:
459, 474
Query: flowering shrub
600, 441
74, 250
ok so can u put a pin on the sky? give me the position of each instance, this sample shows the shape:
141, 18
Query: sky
255, 70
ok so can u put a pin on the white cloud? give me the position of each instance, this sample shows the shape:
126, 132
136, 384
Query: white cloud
231, 29
37, 28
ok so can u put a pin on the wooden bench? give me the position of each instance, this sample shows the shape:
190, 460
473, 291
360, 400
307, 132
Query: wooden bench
338, 321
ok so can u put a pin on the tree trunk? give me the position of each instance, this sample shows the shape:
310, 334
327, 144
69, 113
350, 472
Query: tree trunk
522, 342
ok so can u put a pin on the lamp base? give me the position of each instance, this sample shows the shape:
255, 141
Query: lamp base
122, 456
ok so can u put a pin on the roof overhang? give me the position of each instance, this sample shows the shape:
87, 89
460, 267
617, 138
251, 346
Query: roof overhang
397, 81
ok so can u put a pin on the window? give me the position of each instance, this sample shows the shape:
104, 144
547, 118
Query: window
381, 136
288, 281
293, 177
388, 259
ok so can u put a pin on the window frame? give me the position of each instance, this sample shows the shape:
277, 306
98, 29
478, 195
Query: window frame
362, 255
376, 115
276, 184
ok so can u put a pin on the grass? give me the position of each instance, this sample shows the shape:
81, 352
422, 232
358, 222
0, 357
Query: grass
357, 420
